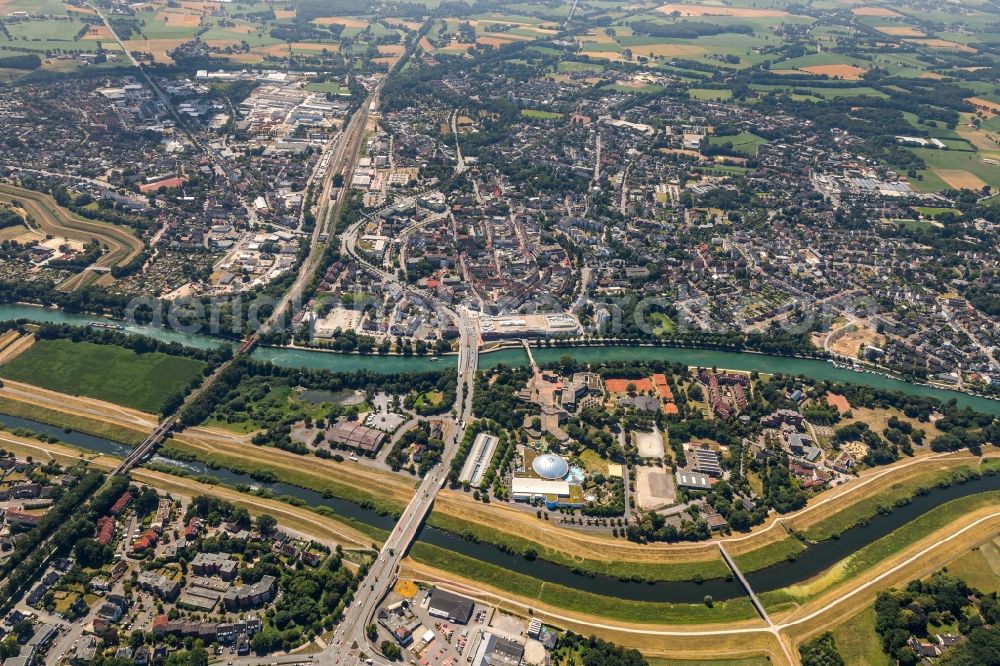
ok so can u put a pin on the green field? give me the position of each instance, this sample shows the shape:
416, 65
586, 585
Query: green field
571, 66
327, 87
541, 115
953, 160
105, 372
709, 94
744, 144
857, 642
980, 567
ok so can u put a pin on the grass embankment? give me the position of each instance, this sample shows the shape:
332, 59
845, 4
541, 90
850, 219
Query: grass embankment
772, 553
105, 372
900, 491
309, 473
632, 570
639, 612
75, 422
64, 454
878, 551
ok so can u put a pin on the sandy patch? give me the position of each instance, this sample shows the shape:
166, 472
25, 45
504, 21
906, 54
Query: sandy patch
426, 45
655, 488
981, 103
849, 343
202, 6
77, 10
845, 72
981, 139
876, 12
838, 401
680, 151
649, 444
960, 179
489, 41
706, 10
942, 44
99, 32
604, 55
284, 14
900, 31
178, 19
341, 20
599, 37
456, 47
409, 25
931, 75
391, 49
158, 47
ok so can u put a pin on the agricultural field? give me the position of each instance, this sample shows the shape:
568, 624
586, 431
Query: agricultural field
105, 372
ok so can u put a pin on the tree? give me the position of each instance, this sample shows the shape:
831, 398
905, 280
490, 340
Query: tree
390, 650
266, 523
821, 651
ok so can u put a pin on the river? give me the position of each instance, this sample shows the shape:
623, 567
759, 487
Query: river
515, 356
814, 560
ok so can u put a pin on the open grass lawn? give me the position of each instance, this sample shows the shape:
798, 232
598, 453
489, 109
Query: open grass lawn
709, 94
570, 66
583, 602
543, 115
857, 641
980, 568
952, 165
327, 87
745, 143
105, 372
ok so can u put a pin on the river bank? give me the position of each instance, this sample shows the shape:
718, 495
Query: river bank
817, 558
515, 356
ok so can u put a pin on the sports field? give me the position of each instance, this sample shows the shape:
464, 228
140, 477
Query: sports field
745, 143
105, 372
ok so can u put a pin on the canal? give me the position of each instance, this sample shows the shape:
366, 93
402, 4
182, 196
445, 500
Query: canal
515, 356
812, 561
